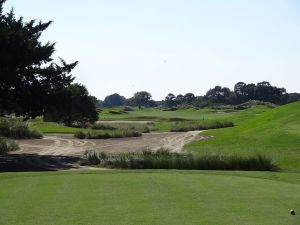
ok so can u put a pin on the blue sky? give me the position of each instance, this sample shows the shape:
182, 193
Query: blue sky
176, 46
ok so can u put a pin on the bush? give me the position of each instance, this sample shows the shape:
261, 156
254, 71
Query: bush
80, 135
77, 124
17, 129
164, 159
5, 125
7, 145
184, 127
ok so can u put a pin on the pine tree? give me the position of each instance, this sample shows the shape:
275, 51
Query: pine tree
28, 75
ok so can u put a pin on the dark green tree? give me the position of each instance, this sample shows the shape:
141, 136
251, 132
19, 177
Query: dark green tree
170, 100
219, 94
28, 74
142, 98
114, 100
189, 98
72, 103
180, 99
268, 93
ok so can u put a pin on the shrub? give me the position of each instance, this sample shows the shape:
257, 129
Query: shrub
77, 124
184, 127
164, 159
80, 124
80, 135
17, 129
7, 145
5, 125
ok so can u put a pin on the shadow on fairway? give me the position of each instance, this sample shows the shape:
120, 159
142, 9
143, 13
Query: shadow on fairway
34, 162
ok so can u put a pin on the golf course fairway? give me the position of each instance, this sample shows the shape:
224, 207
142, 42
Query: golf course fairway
149, 197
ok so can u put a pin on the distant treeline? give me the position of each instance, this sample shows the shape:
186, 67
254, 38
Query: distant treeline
242, 92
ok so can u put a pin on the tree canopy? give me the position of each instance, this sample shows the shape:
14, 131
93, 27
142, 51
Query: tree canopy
31, 82
114, 100
142, 98
29, 75
72, 103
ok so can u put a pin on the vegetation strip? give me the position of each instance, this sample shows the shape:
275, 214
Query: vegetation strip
114, 134
189, 126
17, 129
164, 159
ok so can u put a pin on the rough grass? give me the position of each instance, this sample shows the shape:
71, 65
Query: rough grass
143, 128
107, 135
149, 197
7, 145
189, 126
99, 126
275, 132
17, 129
164, 159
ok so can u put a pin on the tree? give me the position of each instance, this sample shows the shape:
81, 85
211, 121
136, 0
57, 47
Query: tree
142, 98
170, 100
189, 98
219, 95
290, 97
29, 76
98, 103
180, 99
268, 93
244, 92
114, 100
72, 103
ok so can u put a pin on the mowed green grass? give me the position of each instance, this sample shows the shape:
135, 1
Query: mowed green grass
275, 133
163, 120
51, 127
159, 114
149, 197
170, 196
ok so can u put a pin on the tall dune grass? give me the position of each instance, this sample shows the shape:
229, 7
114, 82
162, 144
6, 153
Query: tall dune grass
17, 129
107, 135
164, 159
7, 145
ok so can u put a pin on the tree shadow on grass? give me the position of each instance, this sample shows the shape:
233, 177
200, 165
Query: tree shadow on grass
34, 162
